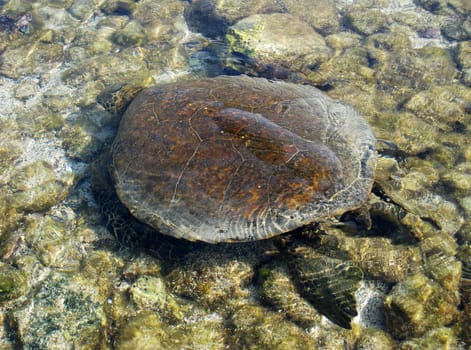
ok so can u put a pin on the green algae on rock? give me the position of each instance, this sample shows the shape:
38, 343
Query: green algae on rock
417, 305
280, 39
58, 313
257, 327
13, 283
148, 332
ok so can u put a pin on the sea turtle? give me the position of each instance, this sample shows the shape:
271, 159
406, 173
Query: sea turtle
234, 158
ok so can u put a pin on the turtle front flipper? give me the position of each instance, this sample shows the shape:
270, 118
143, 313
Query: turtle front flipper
326, 282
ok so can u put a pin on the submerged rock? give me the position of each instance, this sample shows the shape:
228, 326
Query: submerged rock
146, 331
257, 327
60, 315
417, 305
13, 283
280, 39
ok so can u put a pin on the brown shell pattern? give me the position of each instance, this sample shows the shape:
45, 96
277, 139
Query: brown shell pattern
237, 158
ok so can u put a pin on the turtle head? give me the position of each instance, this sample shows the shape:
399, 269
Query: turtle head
116, 98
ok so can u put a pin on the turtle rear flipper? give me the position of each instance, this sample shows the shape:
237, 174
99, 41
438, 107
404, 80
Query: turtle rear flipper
326, 282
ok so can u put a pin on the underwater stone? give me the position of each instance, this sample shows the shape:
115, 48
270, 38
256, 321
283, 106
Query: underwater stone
147, 332
36, 186
82, 9
323, 15
439, 105
412, 193
343, 40
52, 242
211, 277
60, 315
38, 59
150, 292
131, 35
464, 61
417, 305
278, 39
233, 10
259, 328
13, 283
375, 339
366, 22
381, 259
144, 331
142, 265
409, 140
459, 181
440, 338
118, 7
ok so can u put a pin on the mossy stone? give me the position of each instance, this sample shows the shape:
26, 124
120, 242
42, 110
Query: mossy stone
440, 338
366, 22
211, 277
36, 186
61, 315
278, 39
131, 35
13, 283
375, 339
52, 242
118, 7
146, 331
258, 328
323, 15
151, 293
417, 305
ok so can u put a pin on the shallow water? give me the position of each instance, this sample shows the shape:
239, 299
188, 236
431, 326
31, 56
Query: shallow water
67, 282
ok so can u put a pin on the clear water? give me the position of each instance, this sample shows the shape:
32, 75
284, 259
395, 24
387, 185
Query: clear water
68, 282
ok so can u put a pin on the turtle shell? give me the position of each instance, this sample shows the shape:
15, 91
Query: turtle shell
237, 159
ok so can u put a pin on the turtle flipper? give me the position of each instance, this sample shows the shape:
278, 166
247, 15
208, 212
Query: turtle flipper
326, 282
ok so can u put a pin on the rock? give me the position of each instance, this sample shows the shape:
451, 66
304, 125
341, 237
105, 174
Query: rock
60, 315
439, 105
464, 61
323, 15
131, 35
256, 327
234, 10
366, 22
211, 277
13, 283
407, 138
412, 193
146, 331
151, 293
440, 338
373, 339
381, 259
53, 242
280, 39
417, 305
36, 186
118, 7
